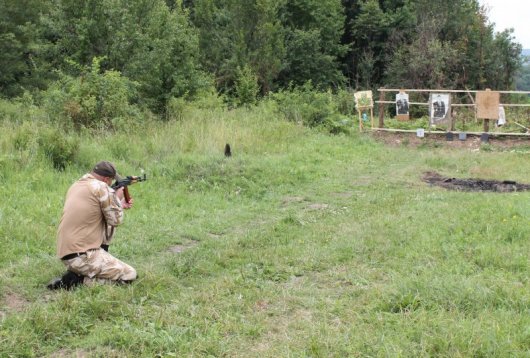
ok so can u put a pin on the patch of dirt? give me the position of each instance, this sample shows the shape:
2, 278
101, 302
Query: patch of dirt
262, 305
345, 195
292, 199
177, 249
215, 235
317, 206
64, 353
409, 139
15, 302
504, 186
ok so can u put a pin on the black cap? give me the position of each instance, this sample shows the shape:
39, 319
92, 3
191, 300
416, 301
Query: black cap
106, 169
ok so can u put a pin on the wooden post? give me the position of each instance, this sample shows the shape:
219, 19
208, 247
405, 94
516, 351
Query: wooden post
453, 120
486, 125
381, 109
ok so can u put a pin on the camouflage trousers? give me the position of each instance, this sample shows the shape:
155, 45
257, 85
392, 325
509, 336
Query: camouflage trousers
97, 265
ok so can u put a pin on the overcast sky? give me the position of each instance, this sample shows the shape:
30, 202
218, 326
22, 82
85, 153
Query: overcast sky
511, 14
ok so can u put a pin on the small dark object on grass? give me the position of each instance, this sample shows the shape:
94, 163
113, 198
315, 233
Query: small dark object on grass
228, 151
68, 281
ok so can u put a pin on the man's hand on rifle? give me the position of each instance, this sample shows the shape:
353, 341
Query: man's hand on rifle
121, 196
127, 205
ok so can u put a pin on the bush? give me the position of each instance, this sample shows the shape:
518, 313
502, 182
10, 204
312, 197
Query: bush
58, 147
176, 108
92, 100
210, 100
305, 105
312, 108
346, 102
247, 87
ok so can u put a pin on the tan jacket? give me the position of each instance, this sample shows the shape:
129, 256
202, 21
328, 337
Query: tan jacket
89, 206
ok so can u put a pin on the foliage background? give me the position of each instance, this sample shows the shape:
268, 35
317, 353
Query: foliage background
183, 48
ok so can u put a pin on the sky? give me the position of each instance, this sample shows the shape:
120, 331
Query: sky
511, 14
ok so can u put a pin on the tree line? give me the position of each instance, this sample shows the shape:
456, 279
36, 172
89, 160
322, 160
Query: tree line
149, 52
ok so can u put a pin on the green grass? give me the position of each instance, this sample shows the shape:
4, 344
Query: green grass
301, 244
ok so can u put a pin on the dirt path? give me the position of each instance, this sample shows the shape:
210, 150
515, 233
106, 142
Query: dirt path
472, 142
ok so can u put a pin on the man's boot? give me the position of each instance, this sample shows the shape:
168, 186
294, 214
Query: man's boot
55, 284
68, 281
71, 279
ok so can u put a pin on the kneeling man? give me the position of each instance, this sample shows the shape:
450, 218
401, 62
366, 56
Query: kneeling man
92, 210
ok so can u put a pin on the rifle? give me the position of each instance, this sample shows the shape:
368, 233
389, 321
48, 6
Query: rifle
125, 182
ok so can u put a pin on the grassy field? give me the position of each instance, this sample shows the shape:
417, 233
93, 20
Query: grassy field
302, 244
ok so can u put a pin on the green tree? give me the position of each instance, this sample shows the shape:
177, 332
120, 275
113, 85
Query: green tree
246, 87
452, 46
375, 31
314, 29
370, 32
235, 34
21, 62
427, 62
143, 39
504, 61
523, 77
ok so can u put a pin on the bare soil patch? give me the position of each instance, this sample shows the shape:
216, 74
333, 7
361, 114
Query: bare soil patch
15, 302
177, 249
317, 206
66, 353
292, 199
410, 139
501, 186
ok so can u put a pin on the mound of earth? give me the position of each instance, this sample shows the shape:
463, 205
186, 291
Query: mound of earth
504, 186
472, 142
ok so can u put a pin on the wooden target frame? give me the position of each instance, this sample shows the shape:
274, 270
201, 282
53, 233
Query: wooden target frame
364, 102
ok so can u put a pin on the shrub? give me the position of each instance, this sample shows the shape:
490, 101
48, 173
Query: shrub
92, 100
345, 102
304, 105
210, 100
58, 147
176, 108
247, 87
313, 108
